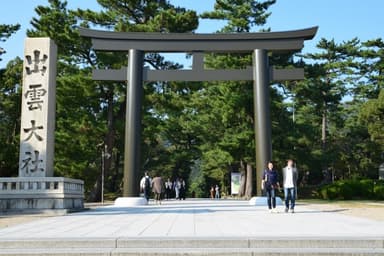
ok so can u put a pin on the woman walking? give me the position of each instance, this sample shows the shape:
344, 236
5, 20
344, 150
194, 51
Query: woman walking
157, 188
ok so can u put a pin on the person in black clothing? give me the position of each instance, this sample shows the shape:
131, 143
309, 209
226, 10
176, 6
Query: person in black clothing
182, 189
270, 183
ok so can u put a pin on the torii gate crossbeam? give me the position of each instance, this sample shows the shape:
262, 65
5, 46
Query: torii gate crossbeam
136, 44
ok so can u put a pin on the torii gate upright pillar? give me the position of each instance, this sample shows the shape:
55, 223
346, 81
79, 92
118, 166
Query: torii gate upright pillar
133, 122
262, 120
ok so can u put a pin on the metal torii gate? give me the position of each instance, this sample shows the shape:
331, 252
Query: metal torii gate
261, 73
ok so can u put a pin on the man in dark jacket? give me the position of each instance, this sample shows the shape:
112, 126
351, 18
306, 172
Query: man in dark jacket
270, 183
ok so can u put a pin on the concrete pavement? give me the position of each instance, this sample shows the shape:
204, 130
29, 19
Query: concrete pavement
196, 227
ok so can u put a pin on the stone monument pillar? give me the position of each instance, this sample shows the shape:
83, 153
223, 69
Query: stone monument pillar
36, 188
38, 108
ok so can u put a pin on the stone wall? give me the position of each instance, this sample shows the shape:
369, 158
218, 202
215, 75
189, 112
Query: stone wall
41, 193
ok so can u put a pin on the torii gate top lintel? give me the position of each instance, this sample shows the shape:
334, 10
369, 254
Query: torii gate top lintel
190, 42
198, 44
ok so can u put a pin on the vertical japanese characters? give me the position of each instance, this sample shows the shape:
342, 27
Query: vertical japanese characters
38, 108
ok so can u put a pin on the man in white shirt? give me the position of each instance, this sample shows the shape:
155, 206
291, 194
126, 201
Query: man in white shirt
290, 175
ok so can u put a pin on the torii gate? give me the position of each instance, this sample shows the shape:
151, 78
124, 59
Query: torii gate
136, 44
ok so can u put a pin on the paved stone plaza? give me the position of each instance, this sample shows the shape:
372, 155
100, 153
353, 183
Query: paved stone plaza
196, 227
196, 218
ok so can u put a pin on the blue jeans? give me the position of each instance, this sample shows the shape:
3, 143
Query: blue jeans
271, 199
290, 194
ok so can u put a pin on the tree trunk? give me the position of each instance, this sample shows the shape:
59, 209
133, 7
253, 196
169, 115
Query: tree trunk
324, 131
324, 164
249, 184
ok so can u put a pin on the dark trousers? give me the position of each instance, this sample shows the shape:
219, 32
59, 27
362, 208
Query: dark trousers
147, 193
182, 194
168, 192
271, 199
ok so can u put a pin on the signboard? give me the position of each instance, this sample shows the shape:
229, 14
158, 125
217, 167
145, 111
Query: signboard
235, 183
381, 172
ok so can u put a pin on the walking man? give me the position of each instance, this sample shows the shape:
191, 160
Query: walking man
270, 183
168, 188
290, 175
217, 192
145, 186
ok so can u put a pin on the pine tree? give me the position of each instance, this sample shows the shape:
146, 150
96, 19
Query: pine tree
329, 74
5, 32
10, 99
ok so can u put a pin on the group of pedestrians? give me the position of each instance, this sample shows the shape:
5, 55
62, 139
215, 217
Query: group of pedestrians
175, 189
168, 189
270, 183
215, 192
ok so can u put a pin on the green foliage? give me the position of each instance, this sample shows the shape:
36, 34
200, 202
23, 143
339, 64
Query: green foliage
332, 141
5, 32
10, 99
353, 189
372, 114
10, 102
198, 187
370, 70
378, 190
241, 16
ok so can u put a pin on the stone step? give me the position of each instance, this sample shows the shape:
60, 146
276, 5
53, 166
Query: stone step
230, 242
276, 242
193, 252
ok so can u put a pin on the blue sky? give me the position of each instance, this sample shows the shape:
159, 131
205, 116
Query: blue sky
341, 20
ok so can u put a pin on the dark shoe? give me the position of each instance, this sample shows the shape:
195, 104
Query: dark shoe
286, 210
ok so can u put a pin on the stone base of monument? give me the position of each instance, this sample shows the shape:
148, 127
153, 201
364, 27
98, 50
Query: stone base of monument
130, 201
41, 193
262, 201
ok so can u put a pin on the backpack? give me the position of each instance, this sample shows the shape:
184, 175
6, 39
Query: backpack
146, 182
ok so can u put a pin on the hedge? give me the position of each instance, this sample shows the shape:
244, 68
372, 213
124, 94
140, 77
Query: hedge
353, 189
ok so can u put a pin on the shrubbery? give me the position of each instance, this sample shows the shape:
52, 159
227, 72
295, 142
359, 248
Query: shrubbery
353, 189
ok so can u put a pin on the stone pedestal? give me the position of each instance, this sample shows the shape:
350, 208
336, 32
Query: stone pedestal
130, 201
41, 193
